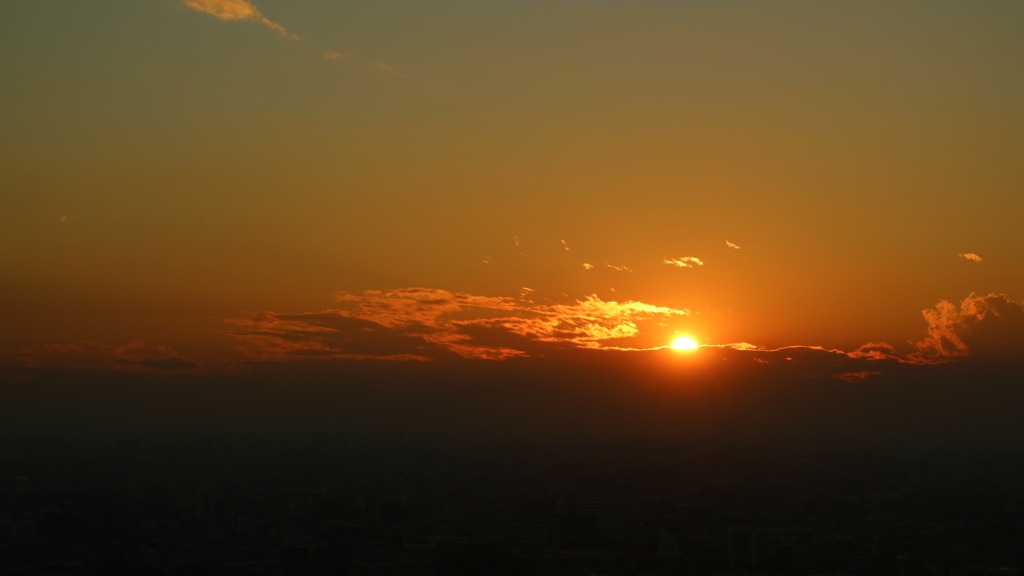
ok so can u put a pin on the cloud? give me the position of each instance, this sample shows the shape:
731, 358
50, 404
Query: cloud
741, 346
585, 323
853, 377
163, 364
434, 324
731, 245
233, 10
425, 323
588, 266
385, 67
684, 262
65, 218
327, 334
617, 268
89, 355
876, 351
564, 245
245, 11
971, 256
982, 327
985, 326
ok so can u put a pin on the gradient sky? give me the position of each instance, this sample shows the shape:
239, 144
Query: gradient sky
195, 185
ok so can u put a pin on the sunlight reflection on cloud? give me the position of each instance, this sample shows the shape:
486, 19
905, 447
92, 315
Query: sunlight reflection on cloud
231, 10
422, 321
684, 262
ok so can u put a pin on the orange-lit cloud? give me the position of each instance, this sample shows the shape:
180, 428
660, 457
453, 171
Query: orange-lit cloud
971, 256
987, 326
618, 268
740, 346
65, 218
588, 266
876, 351
422, 323
583, 323
232, 10
564, 245
328, 334
731, 245
684, 262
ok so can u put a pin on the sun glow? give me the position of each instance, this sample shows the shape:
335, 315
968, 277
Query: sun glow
684, 343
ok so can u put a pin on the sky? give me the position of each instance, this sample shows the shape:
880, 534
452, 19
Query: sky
214, 190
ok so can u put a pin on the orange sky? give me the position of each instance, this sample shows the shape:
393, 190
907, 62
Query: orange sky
194, 186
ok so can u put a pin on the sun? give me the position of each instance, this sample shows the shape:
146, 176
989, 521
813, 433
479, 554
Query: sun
684, 343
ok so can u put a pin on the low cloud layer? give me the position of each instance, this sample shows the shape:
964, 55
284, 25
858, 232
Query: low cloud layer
424, 323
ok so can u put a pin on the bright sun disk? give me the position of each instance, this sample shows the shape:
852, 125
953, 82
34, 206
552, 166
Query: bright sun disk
684, 343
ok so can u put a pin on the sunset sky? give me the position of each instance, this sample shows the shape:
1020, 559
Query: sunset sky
210, 187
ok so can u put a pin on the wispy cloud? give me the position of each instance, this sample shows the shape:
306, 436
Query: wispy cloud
971, 256
564, 245
876, 351
731, 245
424, 323
854, 377
588, 266
237, 10
684, 262
618, 268
135, 355
381, 67
327, 334
246, 11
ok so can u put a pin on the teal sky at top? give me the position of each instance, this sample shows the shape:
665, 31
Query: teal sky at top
852, 149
